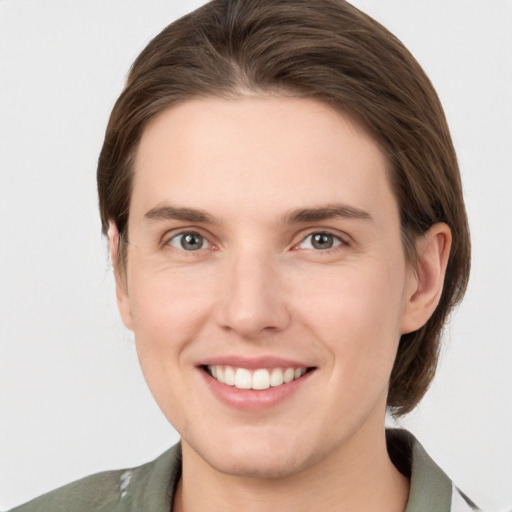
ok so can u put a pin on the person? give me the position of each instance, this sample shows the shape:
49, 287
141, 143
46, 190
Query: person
285, 217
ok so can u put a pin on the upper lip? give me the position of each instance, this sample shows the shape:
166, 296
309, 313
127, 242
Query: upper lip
253, 363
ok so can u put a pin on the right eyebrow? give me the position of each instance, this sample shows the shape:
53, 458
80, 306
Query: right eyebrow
166, 212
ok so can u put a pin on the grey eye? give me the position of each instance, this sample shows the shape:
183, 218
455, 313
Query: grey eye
188, 241
320, 241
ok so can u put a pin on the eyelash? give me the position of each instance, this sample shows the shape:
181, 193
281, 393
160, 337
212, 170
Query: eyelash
182, 234
337, 241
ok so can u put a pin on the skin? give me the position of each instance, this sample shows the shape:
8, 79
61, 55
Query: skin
258, 287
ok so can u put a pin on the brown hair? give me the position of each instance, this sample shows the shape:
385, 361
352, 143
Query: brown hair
325, 50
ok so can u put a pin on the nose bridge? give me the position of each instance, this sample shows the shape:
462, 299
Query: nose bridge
253, 301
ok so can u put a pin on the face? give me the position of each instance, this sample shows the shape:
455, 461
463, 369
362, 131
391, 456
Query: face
266, 280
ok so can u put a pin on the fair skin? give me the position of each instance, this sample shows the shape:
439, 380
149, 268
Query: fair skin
264, 236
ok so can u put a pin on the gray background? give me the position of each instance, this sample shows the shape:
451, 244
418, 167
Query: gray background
72, 399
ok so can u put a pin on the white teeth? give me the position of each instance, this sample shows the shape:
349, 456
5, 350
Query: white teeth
229, 376
243, 379
289, 375
259, 379
276, 377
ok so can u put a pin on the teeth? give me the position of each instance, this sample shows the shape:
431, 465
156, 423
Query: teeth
229, 376
289, 375
276, 377
261, 378
243, 379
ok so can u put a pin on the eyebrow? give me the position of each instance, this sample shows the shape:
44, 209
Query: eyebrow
302, 215
167, 212
325, 213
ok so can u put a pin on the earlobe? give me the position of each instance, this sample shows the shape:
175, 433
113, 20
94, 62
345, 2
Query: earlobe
425, 282
123, 301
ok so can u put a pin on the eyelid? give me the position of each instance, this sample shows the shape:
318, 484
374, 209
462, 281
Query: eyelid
173, 233
342, 237
205, 243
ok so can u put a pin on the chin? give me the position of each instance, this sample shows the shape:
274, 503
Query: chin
259, 459
257, 466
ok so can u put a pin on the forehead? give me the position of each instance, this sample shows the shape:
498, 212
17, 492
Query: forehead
257, 153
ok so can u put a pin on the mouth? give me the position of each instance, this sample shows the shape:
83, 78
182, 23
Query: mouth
256, 379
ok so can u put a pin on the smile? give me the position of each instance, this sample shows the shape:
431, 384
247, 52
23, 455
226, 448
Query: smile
259, 379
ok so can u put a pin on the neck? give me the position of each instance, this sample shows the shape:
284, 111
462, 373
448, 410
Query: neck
358, 476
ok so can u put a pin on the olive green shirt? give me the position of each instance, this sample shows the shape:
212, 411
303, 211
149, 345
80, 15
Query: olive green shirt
151, 487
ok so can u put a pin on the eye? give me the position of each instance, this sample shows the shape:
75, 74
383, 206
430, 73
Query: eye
320, 241
188, 241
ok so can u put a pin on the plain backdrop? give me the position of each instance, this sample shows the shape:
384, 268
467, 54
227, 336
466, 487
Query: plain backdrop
72, 398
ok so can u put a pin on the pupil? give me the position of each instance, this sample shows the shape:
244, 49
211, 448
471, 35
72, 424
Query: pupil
192, 242
322, 241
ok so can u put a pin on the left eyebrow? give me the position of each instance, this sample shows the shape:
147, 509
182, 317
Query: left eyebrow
326, 213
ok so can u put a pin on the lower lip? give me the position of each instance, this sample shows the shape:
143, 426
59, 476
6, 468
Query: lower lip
252, 399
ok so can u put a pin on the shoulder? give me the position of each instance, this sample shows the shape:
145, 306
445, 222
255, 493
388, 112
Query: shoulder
147, 487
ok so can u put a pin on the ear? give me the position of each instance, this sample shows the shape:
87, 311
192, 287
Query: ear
123, 301
425, 281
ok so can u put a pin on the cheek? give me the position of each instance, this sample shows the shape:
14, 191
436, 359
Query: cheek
168, 309
356, 312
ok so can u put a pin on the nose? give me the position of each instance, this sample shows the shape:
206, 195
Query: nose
254, 303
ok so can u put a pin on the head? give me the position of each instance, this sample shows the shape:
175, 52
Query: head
330, 52
320, 57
